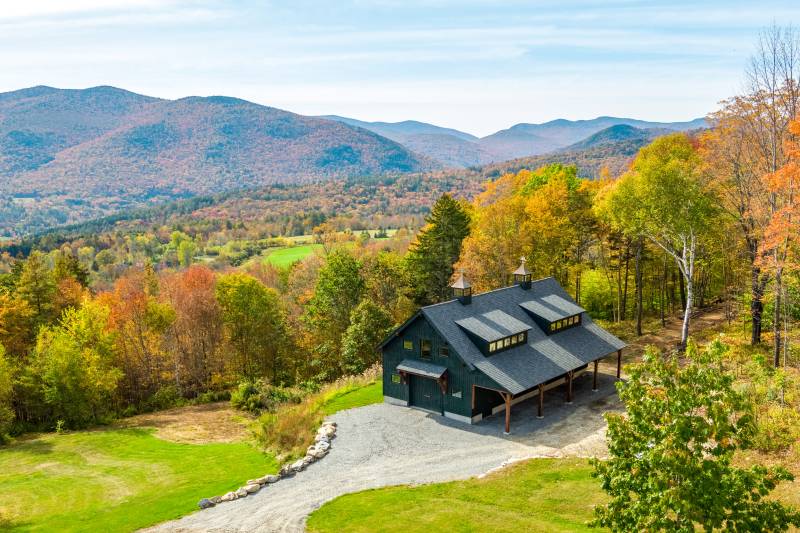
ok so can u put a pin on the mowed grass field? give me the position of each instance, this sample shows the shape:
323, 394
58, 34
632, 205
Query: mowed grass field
543, 495
115, 479
286, 257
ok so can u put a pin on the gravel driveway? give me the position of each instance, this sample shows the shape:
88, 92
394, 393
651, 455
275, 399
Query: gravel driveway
382, 445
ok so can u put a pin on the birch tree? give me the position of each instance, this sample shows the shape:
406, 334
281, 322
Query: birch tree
662, 199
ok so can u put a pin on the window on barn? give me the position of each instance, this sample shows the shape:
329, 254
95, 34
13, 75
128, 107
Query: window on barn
408, 344
425, 349
395, 378
444, 351
565, 323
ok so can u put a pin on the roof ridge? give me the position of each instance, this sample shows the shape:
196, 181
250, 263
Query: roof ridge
489, 292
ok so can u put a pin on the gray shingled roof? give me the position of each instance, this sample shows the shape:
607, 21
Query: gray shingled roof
421, 368
544, 356
552, 307
494, 325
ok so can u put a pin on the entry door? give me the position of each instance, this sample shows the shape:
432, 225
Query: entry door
425, 393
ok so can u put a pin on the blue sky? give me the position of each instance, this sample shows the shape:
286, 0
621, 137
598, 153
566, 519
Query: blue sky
476, 65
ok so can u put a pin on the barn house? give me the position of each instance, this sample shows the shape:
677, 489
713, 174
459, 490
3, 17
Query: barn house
476, 355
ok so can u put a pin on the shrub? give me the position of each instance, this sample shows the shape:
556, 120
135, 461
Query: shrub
290, 429
165, 397
257, 396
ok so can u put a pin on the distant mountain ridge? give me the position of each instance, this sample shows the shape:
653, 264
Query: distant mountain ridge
616, 134
77, 154
454, 148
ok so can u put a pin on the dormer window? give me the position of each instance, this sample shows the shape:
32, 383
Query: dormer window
553, 313
495, 331
508, 342
564, 323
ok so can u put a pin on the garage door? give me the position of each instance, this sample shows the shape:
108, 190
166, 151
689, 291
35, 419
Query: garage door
425, 393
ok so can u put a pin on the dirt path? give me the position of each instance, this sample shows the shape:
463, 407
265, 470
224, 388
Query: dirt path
670, 335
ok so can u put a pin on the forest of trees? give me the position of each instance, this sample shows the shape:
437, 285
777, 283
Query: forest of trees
125, 321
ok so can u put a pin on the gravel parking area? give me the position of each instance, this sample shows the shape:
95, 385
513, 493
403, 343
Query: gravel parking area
382, 444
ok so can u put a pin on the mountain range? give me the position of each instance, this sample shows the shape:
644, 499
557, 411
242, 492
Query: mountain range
67, 155
459, 149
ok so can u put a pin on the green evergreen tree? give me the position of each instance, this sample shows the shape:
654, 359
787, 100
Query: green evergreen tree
437, 248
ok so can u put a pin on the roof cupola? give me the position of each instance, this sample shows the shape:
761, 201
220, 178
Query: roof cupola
462, 290
522, 276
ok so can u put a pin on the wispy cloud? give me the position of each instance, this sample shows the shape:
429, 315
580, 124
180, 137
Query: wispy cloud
475, 64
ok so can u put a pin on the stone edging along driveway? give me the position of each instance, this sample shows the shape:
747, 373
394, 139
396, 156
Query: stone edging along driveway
381, 445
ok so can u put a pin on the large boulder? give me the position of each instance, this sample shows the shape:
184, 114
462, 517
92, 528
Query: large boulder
241, 492
271, 478
319, 453
252, 488
298, 465
228, 497
205, 503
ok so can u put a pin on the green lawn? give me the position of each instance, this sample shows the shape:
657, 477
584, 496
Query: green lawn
372, 393
115, 480
285, 257
543, 495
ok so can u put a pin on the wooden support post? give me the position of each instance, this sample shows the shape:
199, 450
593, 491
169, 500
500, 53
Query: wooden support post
473, 397
541, 400
569, 386
507, 398
594, 383
619, 363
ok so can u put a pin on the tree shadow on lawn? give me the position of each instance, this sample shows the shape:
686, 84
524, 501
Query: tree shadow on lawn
30, 444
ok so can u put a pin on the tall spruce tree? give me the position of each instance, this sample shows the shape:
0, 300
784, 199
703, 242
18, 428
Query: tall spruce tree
437, 247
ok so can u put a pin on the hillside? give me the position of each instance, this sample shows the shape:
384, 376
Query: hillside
616, 134
69, 155
452, 148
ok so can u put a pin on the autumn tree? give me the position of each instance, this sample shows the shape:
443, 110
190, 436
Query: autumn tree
17, 325
436, 249
195, 336
6, 389
671, 455
778, 247
254, 325
369, 324
74, 364
544, 215
141, 323
339, 289
773, 101
663, 199
384, 278
37, 287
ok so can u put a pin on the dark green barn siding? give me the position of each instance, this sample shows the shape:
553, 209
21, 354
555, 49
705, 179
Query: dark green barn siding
459, 378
